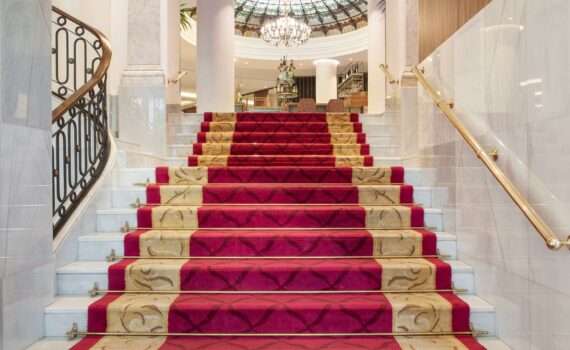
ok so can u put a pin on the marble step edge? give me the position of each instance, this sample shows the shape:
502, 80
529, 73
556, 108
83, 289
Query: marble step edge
114, 219
190, 131
189, 146
428, 196
64, 311
194, 136
56, 343
97, 246
388, 151
362, 115
367, 127
189, 139
386, 161
79, 277
364, 119
413, 176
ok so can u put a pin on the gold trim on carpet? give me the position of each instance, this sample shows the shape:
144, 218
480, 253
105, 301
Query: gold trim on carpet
379, 194
346, 149
221, 126
397, 243
188, 175
219, 137
408, 274
181, 195
216, 149
224, 117
430, 343
165, 243
338, 118
422, 312
153, 275
341, 127
134, 313
388, 217
174, 217
342, 138
215, 161
349, 161
371, 176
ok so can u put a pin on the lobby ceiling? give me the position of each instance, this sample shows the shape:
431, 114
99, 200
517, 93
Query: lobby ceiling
326, 17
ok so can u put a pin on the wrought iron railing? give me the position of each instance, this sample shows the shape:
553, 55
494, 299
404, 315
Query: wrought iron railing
81, 56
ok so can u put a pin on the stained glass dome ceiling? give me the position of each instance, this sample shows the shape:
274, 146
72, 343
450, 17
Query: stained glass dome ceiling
326, 17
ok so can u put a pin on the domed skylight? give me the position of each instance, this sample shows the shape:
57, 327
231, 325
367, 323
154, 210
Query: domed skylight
326, 17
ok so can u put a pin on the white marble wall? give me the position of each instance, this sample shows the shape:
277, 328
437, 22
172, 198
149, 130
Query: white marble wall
26, 261
507, 72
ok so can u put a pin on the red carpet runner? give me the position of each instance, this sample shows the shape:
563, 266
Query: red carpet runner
280, 227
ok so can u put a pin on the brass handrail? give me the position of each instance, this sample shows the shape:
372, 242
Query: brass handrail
550, 238
178, 78
389, 76
98, 75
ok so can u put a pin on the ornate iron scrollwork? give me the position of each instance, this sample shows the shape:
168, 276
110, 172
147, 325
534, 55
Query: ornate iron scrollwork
80, 140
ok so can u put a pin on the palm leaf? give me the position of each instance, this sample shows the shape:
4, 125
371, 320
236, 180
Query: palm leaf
186, 14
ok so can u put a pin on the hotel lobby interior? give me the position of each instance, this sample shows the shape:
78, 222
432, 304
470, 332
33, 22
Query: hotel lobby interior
284, 174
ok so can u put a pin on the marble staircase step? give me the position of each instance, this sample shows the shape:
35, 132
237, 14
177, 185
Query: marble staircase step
182, 150
56, 343
97, 246
371, 129
190, 138
64, 311
429, 197
379, 161
109, 220
376, 119
79, 277
420, 177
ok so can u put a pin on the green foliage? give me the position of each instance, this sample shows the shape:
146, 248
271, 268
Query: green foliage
186, 14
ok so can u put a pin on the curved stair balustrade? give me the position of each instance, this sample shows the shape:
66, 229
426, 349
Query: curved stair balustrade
552, 241
81, 56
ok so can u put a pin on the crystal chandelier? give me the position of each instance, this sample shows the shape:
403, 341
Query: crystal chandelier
285, 31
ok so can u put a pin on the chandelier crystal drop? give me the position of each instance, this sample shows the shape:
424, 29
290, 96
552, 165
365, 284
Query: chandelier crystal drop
285, 31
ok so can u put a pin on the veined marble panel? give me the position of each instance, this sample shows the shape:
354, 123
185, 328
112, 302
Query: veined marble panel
142, 110
26, 259
507, 72
144, 37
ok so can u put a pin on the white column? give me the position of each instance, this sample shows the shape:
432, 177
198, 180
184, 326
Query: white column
142, 100
412, 28
215, 83
171, 52
402, 35
376, 57
326, 79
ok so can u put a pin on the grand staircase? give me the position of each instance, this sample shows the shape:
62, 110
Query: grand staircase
279, 231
